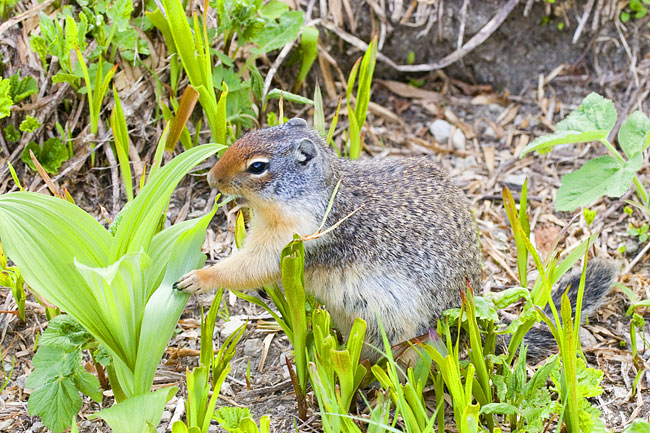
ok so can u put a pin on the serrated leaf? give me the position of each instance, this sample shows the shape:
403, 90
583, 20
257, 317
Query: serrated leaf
56, 403
5, 99
22, 88
30, 124
88, 384
65, 333
230, 417
634, 135
51, 364
601, 176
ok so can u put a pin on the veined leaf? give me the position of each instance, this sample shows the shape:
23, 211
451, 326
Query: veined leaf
601, 176
592, 121
138, 414
634, 135
165, 306
140, 220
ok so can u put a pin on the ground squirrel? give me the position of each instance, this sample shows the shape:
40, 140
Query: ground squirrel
405, 253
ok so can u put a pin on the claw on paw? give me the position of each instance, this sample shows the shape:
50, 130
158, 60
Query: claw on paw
188, 283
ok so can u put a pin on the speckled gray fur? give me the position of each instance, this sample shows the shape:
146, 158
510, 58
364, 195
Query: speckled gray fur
406, 252
404, 255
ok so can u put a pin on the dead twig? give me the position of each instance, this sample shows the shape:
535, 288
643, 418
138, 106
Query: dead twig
474, 42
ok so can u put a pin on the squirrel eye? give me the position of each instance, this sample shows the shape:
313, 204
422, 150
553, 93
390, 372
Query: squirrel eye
258, 167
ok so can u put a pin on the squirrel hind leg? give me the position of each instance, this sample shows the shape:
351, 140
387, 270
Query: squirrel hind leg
600, 277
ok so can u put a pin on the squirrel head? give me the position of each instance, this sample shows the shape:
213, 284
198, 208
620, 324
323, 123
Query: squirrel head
280, 163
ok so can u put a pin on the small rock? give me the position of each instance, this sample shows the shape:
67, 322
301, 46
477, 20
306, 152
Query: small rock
587, 339
231, 326
440, 129
631, 247
489, 134
515, 181
252, 347
458, 140
38, 427
20, 381
213, 428
226, 389
166, 416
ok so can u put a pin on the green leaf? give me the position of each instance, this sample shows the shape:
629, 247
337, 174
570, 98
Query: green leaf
22, 88
65, 333
500, 408
634, 135
30, 124
121, 137
273, 9
56, 403
51, 364
138, 414
39, 46
88, 384
120, 13
598, 177
229, 418
288, 96
11, 133
276, 35
50, 156
639, 425
592, 121
5, 98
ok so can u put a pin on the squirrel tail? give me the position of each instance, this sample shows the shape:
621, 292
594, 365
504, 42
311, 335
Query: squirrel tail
599, 279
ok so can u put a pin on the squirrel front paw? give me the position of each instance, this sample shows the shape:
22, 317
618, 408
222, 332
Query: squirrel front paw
193, 282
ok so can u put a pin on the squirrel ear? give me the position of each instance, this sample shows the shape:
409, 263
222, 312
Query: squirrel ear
297, 122
305, 151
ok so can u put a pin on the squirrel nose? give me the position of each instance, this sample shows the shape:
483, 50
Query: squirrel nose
212, 181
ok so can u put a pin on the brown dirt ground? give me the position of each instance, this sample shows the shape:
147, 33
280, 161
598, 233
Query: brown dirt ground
496, 128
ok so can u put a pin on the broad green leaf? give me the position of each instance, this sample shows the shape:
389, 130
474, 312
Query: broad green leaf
56, 403
634, 135
545, 143
140, 220
598, 177
594, 113
165, 306
276, 35
119, 291
639, 425
65, 333
32, 227
52, 364
592, 121
88, 384
53, 153
138, 414
273, 9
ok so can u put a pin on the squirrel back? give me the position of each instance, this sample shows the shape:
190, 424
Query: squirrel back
403, 245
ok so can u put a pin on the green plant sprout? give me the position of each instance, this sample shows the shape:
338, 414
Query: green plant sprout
609, 175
